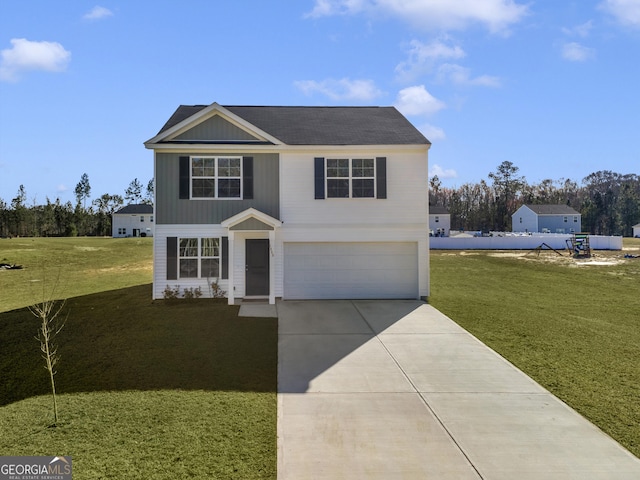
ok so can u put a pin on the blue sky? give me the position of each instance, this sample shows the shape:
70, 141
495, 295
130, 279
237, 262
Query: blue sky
552, 86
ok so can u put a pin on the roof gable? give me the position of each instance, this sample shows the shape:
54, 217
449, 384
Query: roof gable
209, 124
216, 129
302, 125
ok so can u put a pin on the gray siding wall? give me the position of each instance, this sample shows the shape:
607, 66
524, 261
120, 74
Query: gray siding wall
215, 128
556, 222
169, 209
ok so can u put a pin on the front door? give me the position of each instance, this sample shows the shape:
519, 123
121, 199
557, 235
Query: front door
257, 267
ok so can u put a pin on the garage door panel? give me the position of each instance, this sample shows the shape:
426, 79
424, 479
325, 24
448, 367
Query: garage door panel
350, 270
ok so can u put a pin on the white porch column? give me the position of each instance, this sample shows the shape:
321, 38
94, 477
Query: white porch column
231, 259
272, 270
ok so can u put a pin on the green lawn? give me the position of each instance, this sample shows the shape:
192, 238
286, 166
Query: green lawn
574, 329
85, 265
155, 390
147, 389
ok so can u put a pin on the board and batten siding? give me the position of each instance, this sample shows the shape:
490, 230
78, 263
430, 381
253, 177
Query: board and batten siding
170, 209
218, 129
406, 199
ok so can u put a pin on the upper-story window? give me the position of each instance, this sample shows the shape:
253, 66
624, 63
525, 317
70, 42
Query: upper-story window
142, 218
351, 177
216, 177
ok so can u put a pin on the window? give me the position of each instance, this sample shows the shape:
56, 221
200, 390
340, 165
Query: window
216, 177
151, 218
142, 218
437, 219
199, 257
565, 219
520, 219
575, 219
350, 178
122, 231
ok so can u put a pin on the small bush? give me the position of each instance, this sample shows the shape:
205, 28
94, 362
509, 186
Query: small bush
171, 293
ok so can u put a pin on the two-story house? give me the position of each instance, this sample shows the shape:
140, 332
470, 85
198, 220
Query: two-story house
546, 219
134, 220
291, 202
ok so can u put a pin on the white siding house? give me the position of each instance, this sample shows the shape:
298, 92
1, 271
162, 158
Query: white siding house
439, 221
636, 230
546, 219
133, 221
291, 202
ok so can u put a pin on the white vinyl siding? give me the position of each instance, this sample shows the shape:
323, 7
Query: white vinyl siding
406, 201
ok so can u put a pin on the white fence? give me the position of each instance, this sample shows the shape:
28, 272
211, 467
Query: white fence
520, 242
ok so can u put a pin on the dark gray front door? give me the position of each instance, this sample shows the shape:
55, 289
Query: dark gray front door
257, 267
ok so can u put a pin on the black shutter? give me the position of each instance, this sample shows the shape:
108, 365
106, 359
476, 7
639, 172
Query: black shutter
247, 178
172, 258
318, 172
225, 258
381, 177
184, 178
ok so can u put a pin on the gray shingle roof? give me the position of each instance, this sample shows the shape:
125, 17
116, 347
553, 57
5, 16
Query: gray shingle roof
553, 210
136, 209
322, 125
438, 210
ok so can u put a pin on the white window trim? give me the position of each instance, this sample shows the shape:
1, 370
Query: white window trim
350, 178
199, 257
216, 178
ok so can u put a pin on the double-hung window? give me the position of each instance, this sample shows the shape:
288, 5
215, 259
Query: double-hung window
199, 257
350, 177
216, 177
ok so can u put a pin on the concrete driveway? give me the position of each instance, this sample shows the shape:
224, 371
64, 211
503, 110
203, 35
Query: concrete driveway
396, 390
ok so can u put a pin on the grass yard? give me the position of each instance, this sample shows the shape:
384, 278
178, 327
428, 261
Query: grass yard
85, 265
572, 326
146, 389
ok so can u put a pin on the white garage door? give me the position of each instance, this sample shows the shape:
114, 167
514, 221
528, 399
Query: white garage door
350, 270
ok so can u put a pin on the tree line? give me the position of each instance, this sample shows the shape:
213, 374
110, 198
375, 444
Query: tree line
57, 219
608, 201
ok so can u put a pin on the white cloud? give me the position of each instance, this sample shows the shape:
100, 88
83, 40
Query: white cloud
436, 169
25, 55
433, 133
496, 15
343, 89
423, 56
627, 12
459, 75
583, 30
97, 13
61, 188
574, 52
417, 100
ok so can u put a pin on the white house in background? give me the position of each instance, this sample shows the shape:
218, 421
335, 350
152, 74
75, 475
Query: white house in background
439, 221
636, 230
291, 202
546, 219
133, 221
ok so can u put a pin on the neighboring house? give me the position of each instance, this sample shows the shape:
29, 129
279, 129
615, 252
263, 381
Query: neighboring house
291, 202
636, 230
546, 219
439, 221
133, 221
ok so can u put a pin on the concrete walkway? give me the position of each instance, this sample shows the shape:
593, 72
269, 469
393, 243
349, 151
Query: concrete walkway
396, 390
